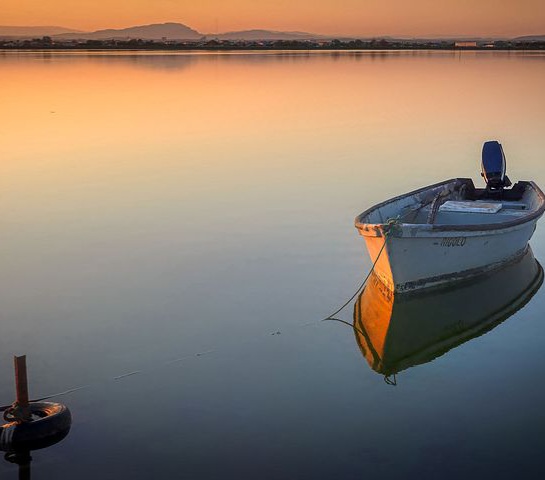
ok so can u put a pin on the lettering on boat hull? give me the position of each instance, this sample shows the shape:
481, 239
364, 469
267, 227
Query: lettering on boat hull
453, 241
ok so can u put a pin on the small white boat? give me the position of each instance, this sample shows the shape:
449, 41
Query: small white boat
452, 230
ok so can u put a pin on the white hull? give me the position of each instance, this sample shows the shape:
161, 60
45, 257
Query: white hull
413, 263
421, 255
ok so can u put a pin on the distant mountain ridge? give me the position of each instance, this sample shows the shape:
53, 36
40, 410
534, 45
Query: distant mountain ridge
156, 31
531, 38
41, 31
179, 31
257, 34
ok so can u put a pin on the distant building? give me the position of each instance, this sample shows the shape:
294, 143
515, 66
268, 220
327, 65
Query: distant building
465, 44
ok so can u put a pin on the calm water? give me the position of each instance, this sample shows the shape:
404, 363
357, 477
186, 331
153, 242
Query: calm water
190, 218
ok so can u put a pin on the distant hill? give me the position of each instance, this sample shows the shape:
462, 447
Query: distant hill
170, 31
179, 31
265, 35
42, 31
530, 38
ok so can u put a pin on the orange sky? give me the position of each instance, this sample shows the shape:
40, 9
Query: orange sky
351, 17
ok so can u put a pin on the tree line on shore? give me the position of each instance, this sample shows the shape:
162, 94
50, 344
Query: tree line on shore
214, 44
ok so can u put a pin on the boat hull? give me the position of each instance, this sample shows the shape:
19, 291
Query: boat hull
412, 249
433, 259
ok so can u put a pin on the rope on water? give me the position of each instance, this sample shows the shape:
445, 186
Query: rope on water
41, 399
387, 229
113, 379
391, 379
360, 288
390, 226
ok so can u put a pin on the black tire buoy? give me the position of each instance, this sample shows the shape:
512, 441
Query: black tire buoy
51, 423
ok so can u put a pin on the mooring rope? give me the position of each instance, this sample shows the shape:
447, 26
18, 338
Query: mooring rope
360, 288
165, 363
387, 229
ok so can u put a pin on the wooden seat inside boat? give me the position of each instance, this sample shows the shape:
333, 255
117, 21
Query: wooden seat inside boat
446, 217
471, 216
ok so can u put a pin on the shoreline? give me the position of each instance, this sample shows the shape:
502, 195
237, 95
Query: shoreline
204, 44
197, 48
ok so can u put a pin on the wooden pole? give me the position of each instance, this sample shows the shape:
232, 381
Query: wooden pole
21, 387
24, 466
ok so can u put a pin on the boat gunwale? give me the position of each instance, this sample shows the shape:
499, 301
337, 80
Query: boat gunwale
445, 228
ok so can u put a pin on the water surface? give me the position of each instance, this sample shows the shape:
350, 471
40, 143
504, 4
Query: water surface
189, 217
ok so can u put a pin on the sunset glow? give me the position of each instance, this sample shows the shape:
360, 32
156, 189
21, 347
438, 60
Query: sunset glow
347, 17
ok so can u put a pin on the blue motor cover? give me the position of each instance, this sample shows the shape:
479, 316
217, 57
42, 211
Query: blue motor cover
493, 166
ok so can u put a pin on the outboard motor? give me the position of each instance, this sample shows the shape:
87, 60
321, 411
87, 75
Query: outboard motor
493, 166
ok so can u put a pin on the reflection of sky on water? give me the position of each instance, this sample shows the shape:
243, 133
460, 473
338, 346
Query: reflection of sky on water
136, 60
181, 60
151, 214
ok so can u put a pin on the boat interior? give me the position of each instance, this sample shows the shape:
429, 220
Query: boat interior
459, 202
472, 206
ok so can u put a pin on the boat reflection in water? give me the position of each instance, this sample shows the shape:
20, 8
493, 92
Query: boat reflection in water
398, 331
